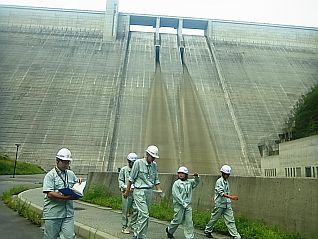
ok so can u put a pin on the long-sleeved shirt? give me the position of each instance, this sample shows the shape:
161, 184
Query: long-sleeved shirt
144, 175
221, 187
123, 177
182, 191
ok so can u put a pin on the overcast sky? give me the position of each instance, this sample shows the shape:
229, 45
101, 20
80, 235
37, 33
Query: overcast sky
288, 12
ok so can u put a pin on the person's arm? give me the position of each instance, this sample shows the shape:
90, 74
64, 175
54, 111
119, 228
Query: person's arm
121, 180
177, 194
157, 182
133, 175
231, 197
158, 187
79, 180
128, 189
196, 180
58, 196
71, 174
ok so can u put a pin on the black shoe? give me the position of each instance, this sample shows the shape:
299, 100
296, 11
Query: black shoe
208, 234
169, 235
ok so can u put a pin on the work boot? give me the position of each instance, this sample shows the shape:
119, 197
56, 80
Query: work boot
169, 235
208, 234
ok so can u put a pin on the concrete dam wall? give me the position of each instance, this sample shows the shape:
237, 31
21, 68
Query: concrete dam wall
65, 83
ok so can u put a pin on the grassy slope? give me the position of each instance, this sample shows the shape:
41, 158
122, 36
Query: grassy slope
7, 167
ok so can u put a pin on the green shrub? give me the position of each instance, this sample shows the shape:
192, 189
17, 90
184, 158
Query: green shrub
303, 121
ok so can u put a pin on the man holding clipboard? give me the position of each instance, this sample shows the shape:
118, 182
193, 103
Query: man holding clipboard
58, 209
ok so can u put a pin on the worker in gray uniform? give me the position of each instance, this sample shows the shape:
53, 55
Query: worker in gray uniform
127, 203
222, 199
182, 198
144, 176
58, 209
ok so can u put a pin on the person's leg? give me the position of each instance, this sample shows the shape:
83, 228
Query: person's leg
67, 228
134, 216
230, 223
52, 228
188, 224
215, 215
124, 211
143, 213
176, 221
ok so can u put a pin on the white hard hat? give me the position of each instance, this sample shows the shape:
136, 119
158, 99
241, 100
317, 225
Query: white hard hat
153, 151
225, 169
132, 157
64, 154
183, 169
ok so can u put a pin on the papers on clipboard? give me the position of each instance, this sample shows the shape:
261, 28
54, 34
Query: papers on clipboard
77, 191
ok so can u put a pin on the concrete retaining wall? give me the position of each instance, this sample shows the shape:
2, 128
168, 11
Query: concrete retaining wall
290, 203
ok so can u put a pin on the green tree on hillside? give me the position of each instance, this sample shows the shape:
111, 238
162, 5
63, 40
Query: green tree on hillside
304, 119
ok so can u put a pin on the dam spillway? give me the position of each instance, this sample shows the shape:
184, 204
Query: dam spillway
64, 83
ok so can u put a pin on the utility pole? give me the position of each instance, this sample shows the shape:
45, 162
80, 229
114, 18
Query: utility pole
16, 159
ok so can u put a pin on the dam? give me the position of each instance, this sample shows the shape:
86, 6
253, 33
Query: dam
86, 81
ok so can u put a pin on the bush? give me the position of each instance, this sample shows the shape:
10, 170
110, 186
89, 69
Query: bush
304, 119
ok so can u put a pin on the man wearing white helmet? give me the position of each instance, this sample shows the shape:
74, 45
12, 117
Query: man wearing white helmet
222, 200
144, 176
182, 198
58, 210
127, 203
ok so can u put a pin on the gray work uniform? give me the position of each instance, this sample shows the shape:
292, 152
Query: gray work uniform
182, 198
144, 176
222, 207
127, 203
58, 215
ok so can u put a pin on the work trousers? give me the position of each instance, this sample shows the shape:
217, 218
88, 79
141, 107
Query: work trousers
128, 203
228, 215
142, 200
62, 228
182, 216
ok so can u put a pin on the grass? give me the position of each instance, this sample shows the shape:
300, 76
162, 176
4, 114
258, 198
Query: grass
22, 168
163, 210
97, 195
23, 208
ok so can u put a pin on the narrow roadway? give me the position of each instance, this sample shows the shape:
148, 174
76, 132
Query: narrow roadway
12, 225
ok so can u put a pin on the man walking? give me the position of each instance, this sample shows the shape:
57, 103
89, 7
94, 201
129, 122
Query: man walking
222, 199
182, 198
58, 210
144, 176
127, 203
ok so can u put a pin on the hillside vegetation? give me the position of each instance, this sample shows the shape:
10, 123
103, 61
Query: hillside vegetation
304, 119
22, 168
